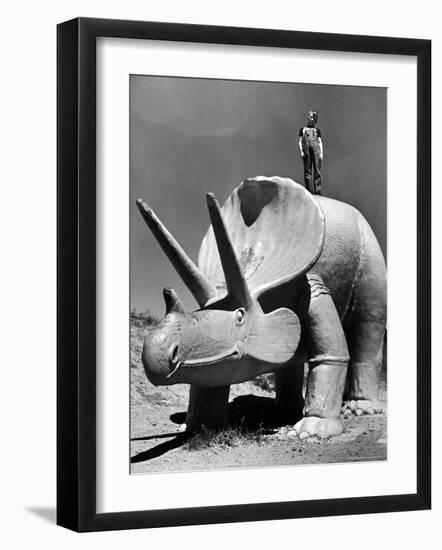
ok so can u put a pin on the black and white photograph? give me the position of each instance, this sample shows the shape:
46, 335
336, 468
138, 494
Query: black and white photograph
219, 237
258, 274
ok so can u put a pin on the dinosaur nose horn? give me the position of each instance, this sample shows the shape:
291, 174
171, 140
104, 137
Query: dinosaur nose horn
173, 303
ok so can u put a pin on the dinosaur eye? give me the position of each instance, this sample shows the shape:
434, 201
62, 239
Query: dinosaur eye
173, 353
240, 315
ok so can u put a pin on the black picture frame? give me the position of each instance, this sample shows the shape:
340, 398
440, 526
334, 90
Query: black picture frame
77, 287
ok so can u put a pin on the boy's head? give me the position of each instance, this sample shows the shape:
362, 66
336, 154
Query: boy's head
312, 117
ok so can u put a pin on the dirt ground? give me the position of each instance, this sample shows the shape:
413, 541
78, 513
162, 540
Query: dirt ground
260, 437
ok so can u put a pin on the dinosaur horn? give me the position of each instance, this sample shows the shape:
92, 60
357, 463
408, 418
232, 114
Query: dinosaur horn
236, 283
193, 278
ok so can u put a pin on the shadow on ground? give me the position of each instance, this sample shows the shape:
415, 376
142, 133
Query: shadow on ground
250, 412
162, 448
253, 412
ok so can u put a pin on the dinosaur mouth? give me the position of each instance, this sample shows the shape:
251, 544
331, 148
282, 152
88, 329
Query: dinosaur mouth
233, 353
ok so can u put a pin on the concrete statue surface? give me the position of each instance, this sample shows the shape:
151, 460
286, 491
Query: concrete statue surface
283, 277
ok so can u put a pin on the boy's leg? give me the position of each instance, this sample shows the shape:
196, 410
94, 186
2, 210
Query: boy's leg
317, 177
307, 170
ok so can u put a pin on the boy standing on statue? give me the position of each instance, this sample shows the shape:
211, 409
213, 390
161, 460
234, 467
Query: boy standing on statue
310, 147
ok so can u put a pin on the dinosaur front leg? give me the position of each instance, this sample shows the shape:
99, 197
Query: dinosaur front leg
208, 407
328, 360
288, 388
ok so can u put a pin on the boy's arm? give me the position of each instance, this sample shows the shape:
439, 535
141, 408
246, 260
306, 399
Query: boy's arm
300, 147
321, 154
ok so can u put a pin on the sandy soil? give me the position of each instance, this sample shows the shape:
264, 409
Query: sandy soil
261, 438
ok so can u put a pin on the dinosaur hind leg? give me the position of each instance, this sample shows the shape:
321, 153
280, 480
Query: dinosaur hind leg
365, 344
366, 328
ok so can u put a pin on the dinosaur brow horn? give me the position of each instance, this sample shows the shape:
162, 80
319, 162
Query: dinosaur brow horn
192, 276
236, 283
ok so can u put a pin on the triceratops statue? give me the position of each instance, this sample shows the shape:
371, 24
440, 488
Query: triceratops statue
283, 277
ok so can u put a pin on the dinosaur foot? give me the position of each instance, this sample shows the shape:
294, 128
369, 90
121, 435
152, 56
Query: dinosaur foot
361, 406
323, 428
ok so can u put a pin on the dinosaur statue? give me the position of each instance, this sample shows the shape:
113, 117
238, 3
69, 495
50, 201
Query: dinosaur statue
282, 278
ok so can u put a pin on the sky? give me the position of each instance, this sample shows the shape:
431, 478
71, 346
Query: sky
191, 136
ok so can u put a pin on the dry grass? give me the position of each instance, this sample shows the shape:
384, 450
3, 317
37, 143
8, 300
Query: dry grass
229, 437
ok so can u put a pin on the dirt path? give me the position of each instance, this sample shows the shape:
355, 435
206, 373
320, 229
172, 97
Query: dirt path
363, 440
